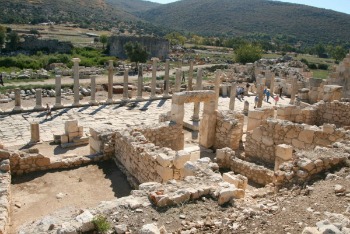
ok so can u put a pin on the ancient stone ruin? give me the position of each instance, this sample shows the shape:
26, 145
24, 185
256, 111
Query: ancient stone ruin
272, 147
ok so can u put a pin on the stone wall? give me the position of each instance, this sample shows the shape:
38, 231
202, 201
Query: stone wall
229, 129
335, 112
156, 47
261, 142
165, 135
25, 162
33, 43
226, 158
257, 115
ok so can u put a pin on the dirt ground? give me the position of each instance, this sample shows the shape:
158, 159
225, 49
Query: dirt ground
39, 194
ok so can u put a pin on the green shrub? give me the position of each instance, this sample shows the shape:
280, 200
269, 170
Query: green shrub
322, 66
312, 66
101, 224
303, 60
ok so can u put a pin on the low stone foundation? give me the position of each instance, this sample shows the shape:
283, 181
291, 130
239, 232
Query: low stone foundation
226, 158
308, 164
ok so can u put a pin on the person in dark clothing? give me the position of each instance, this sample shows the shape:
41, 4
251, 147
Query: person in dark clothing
280, 90
1, 80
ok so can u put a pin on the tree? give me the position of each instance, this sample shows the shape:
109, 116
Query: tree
13, 41
2, 36
136, 52
103, 40
176, 38
248, 53
338, 53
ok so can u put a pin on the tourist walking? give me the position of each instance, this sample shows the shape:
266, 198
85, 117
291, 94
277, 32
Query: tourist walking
256, 100
280, 90
276, 98
48, 111
267, 95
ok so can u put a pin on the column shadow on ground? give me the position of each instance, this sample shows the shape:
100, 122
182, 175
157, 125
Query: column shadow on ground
145, 107
98, 109
161, 103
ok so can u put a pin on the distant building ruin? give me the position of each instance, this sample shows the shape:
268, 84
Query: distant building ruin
33, 43
156, 47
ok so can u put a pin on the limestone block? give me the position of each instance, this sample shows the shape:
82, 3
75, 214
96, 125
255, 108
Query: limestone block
85, 219
64, 139
71, 135
257, 134
239, 181
94, 133
189, 169
149, 229
181, 196
181, 158
4, 154
42, 162
284, 152
226, 195
311, 230
177, 113
166, 173
329, 128
71, 126
306, 136
164, 160
94, 144
268, 141
306, 164
194, 152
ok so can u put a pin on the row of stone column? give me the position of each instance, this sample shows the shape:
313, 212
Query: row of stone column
76, 61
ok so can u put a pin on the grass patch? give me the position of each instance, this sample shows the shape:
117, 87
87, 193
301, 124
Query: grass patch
10, 81
321, 74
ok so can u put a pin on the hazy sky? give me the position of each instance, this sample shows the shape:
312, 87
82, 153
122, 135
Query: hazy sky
336, 5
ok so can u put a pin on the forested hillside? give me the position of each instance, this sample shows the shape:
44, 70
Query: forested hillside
241, 17
133, 6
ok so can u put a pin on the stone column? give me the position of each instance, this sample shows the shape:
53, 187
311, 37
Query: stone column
139, 83
233, 96
217, 88
207, 125
154, 77
18, 105
76, 81
246, 108
196, 108
93, 91
110, 82
178, 80
166, 79
58, 103
272, 84
34, 132
294, 90
126, 86
39, 100
261, 87
190, 77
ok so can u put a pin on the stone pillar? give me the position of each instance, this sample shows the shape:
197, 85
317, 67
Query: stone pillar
140, 83
272, 84
261, 87
177, 113
110, 82
93, 91
178, 80
58, 103
217, 88
166, 79
34, 132
76, 81
294, 90
246, 108
196, 108
39, 100
233, 96
126, 85
18, 105
190, 77
207, 125
154, 77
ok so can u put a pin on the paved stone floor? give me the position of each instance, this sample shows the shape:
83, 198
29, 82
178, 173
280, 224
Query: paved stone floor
15, 128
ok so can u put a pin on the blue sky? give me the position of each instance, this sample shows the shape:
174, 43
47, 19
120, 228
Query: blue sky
336, 5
